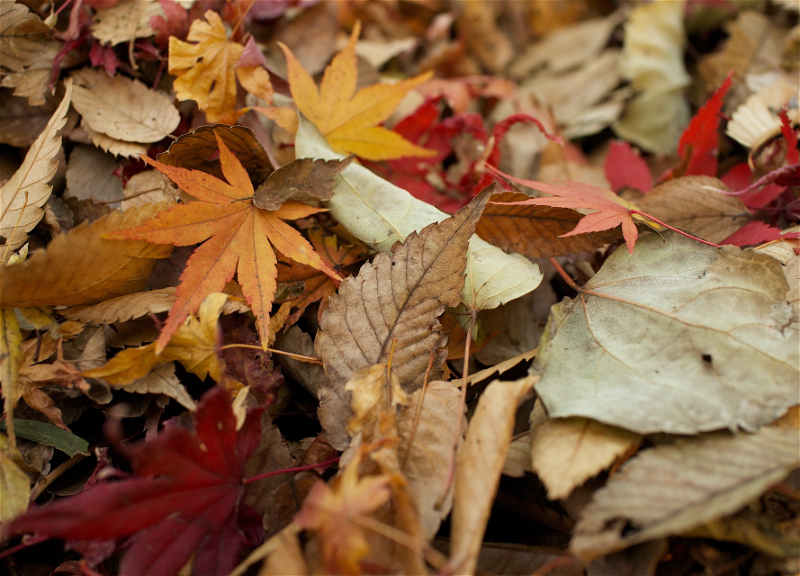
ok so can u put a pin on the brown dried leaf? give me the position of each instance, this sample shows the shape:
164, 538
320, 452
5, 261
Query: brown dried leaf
125, 22
112, 145
399, 296
567, 452
303, 179
478, 467
24, 37
122, 108
23, 196
425, 454
80, 267
162, 380
534, 230
687, 203
672, 489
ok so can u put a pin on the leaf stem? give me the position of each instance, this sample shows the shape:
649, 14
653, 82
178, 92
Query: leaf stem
419, 410
565, 276
665, 225
290, 470
31, 542
300, 357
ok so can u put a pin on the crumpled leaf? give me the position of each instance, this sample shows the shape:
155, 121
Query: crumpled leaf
693, 203
123, 109
567, 452
671, 489
479, 464
162, 380
399, 296
425, 452
191, 501
535, 231
207, 71
679, 337
380, 214
193, 344
236, 235
24, 194
346, 118
81, 267
303, 179
652, 59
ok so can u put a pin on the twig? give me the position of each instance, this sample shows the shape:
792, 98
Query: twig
300, 357
290, 470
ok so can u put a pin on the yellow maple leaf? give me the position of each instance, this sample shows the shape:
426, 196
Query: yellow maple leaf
348, 119
207, 71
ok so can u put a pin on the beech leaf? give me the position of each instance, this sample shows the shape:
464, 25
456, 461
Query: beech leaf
379, 214
81, 267
24, 194
672, 489
679, 337
194, 496
399, 296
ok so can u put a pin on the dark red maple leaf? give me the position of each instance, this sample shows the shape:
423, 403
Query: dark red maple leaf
184, 497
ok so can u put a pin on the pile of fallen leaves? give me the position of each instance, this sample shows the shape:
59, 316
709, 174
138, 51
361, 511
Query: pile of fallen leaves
410, 287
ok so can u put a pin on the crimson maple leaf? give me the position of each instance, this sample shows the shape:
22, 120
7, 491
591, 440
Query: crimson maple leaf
185, 495
239, 236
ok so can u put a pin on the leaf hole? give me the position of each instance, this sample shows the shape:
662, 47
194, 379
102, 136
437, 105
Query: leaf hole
708, 359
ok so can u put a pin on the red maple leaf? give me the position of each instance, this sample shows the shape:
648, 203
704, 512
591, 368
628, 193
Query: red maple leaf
184, 497
625, 168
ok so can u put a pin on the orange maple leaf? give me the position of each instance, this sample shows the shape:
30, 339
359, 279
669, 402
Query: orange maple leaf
207, 71
348, 119
611, 210
237, 234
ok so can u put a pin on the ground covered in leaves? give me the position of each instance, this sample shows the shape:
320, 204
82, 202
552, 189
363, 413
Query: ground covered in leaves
399, 287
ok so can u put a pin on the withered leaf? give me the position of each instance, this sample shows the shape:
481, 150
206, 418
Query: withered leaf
399, 296
303, 179
80, 267
24, 36
536, 231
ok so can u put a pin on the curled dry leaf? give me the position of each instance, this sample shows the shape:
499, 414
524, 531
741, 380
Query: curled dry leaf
399, 296
302, 180
162, 380
671, 489
23, 196
679, 337
424, 452
81, 267
379, 214
123, 109
478, 467
693, 203
567, 452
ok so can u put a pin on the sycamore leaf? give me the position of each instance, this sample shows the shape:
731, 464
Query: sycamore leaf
24, 194
698, 204
611, 210
302, 179
192, 500
193, 344
123, 109
239, 236
318, 286
379, 214
81, 267
535, 231
206, 71
398, 297
680, 337
478, 467
672, 489
566, 452
348, 119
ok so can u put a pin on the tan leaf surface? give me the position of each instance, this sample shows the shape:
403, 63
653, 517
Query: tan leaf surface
479, 464
80, 267
501, 367
23, 36
784, 252
15, 486
125, 22
686, 203
425, 453
22, 197
144, 188
671, 489
112, 145
680, 337
123, 109
534, 230
162, 380
567, 452
33, 82
518, 459
399, 296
